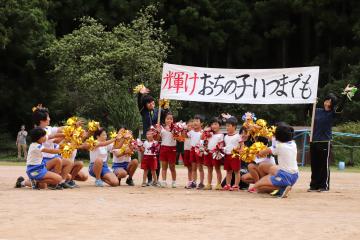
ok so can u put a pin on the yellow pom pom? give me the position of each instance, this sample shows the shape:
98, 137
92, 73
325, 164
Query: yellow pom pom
261, 122
113, 134
39, 106
91, 142
93, 126
164, 103
66, 150
138, 88
68, 132
71, 121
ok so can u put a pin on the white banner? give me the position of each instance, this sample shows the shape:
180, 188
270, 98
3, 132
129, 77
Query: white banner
253, 86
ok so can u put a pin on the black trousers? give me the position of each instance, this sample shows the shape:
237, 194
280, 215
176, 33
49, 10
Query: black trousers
320, 165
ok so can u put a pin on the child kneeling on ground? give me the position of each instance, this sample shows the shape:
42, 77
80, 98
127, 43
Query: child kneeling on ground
282, 177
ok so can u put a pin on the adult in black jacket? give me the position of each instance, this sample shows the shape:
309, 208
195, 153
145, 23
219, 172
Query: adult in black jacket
149, 114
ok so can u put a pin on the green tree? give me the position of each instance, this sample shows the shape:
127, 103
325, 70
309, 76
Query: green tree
96, 69
24, 31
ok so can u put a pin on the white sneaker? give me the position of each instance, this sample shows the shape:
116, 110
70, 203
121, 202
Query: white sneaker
163, 184
173, 184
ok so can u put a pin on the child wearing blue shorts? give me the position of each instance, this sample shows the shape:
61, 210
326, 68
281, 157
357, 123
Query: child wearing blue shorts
284, 175
98, 167
36, 170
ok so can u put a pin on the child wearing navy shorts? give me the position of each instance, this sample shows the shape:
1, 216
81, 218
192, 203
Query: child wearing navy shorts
98, 167
123, 165
282, 177
260, 167
35, 168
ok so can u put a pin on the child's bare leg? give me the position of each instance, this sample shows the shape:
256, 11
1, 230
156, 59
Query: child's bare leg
27, 183
132, 167
77, 166
153, 173
201, 171
210, 174
42, 185
164, 167
189, 170
145, 176
81, 176
54, 164
121, 173
194, 171
51, 178
247, 178
237, 178
67, 165
264, 169
218, 174
254, 172
173, 171
264, 185
98, 164
111, 179
228, 176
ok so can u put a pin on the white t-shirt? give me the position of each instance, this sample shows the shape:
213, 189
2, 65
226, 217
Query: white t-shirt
265, 160
121, 159
49, 143
214, 140
287, 153
167, 138
147, 147
100, 152
187, 144
195, 137
231, 142
35, 155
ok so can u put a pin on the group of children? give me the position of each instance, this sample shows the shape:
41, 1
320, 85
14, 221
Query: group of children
208, 146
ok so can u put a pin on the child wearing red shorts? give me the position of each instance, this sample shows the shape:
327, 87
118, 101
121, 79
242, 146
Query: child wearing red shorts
186, 156
196, 159
231, 165
209, 161
167, 151
149, 161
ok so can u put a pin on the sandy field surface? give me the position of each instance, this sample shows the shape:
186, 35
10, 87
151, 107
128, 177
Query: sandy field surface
152, 213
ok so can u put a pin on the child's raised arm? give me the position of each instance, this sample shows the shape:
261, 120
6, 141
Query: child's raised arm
49, 150
105, 143
264, 152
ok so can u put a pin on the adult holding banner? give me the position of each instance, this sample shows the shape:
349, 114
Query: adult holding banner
320, 146
150, 115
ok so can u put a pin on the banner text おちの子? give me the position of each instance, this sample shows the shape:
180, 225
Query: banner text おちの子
251, 86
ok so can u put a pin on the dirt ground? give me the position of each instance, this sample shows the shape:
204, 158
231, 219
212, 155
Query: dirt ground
151, 213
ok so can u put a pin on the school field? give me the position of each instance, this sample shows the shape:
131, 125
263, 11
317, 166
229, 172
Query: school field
151, 213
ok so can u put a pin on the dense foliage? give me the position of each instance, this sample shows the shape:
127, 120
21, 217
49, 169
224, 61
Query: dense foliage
84, 56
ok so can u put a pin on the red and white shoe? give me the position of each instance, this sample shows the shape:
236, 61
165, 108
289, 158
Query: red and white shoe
226, 188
